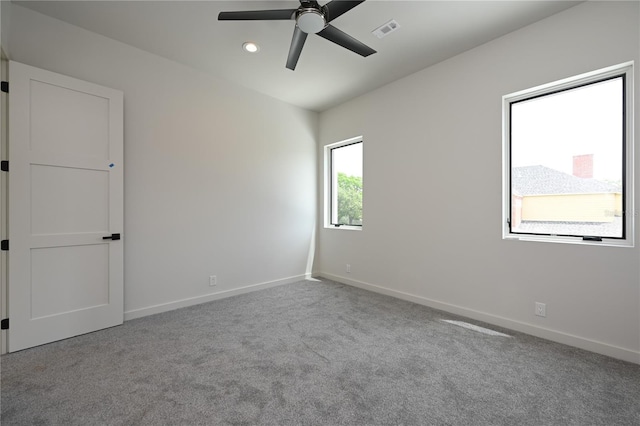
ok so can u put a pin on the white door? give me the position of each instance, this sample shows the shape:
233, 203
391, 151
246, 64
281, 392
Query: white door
65, 196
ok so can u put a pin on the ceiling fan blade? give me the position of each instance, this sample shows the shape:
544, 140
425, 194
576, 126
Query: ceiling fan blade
336, 8
297, 42
333, 34
257, 15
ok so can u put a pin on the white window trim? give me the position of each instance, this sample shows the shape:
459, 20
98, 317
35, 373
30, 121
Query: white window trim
626, 69
327, 184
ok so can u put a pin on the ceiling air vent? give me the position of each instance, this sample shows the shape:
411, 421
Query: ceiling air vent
386, 29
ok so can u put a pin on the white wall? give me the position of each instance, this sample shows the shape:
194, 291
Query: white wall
5, 14
432, 190
218, 179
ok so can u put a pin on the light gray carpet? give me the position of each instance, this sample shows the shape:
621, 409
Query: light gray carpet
313, 353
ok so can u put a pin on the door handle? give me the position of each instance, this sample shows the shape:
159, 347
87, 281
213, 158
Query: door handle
112, 237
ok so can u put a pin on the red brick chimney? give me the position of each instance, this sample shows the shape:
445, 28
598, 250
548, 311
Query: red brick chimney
583, 166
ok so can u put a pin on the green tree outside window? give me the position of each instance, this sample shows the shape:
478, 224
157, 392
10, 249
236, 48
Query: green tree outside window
349, 199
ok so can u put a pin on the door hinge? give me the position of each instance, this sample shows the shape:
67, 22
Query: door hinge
4, 324
4, 165
4, 245
4, 86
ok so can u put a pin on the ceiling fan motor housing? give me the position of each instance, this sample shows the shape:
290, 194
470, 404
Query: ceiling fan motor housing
310, 20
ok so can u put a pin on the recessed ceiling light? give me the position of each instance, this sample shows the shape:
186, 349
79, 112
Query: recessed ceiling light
250, 47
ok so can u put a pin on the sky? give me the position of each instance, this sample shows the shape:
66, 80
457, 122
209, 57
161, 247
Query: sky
348, 159
550, 130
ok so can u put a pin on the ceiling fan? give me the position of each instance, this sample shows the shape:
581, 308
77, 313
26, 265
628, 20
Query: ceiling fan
311, 18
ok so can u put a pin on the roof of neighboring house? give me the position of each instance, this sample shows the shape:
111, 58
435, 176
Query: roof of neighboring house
541, 180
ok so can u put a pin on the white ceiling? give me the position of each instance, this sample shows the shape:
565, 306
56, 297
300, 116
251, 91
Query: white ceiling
326, 74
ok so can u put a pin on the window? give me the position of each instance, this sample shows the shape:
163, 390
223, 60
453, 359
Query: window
343, 188
568, 160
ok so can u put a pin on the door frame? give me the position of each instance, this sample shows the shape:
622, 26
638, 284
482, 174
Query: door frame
4, 199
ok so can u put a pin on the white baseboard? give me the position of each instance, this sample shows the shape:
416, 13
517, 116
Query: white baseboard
183, 303
545, 333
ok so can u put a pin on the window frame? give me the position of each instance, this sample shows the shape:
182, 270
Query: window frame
328, 183
626, 70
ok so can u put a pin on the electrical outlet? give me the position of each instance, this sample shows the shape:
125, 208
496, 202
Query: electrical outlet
348, 268
541, 309
213, 281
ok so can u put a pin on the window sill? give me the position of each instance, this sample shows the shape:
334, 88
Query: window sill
344, 227
569, 240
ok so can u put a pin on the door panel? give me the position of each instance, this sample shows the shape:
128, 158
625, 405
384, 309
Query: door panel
55, 126
66, 279
86, 200
65, 195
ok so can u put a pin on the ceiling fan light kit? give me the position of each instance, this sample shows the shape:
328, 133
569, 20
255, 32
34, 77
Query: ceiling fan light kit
310, 21
311, 18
